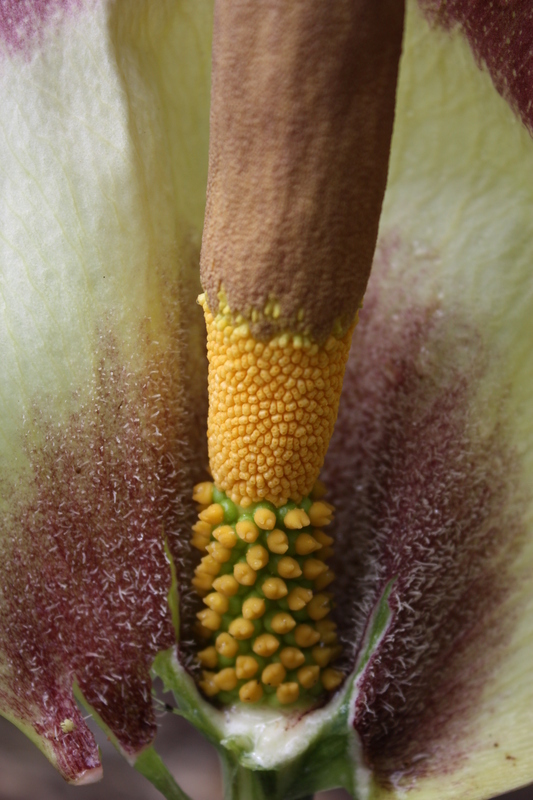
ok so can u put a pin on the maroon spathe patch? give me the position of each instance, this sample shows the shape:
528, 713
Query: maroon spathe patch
424, 485
23, 22
63, 728
501, 37
83, 569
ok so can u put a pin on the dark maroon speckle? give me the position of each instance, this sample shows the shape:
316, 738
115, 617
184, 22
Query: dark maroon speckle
427, 495
501, 37
84, 577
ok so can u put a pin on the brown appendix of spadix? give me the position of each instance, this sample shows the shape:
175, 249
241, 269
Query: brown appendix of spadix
301, 122
302, 108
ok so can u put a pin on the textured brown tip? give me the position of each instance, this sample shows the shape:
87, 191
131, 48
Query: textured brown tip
302, 111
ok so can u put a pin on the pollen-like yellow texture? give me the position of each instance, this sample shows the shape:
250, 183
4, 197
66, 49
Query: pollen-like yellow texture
272, 408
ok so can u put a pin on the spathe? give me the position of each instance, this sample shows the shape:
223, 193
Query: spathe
103, 178
436, 425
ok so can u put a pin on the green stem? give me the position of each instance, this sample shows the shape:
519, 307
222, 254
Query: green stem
149, 764
241, 783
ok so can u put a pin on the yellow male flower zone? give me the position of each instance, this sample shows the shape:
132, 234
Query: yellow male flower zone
104, 153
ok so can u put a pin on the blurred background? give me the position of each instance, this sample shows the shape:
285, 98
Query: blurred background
25, 774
